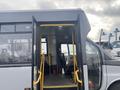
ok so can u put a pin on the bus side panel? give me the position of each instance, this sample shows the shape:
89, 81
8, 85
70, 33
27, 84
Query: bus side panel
15, 78
104, 78
113, 74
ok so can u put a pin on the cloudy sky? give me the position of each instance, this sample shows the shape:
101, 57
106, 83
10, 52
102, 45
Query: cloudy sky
102, 14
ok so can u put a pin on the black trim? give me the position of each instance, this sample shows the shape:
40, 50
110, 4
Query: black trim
32, 52
9, 23
15, 65
34, 22
15, 32
80, 51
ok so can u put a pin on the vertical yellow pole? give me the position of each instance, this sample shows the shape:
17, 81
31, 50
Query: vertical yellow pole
43, 70
41, 67
74, 57
42, 81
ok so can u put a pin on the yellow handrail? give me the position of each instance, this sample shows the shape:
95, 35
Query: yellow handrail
77, 78
74, 57
39, 78
41, 74
42, 80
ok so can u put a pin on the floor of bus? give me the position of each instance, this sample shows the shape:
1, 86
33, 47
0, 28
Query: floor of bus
59, 81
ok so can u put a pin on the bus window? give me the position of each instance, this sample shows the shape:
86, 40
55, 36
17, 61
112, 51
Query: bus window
15, 48
94, 66
44, 45
71, 49
67, 49
23, 27
64, 49
7, 28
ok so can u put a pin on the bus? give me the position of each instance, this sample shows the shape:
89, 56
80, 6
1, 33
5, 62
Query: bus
49, 50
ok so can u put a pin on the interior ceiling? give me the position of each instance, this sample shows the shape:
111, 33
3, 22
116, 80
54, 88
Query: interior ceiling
63, 33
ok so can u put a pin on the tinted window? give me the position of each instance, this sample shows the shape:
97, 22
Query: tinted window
65, 47
44, 46
23, 27
94, 66
117, 45
7, 28
15, 48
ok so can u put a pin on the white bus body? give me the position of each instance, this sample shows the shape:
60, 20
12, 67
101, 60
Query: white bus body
17, 75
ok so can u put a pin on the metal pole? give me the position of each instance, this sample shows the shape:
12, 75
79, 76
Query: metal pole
100, 36
116, 31
110, 35
116, 35
109, 39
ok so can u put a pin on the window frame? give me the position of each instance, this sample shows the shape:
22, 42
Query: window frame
3, 31
15, 32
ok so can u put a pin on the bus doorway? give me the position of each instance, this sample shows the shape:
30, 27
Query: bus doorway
56, 64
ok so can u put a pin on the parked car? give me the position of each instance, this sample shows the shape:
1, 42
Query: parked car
116, 48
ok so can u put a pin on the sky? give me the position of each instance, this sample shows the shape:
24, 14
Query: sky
102, 14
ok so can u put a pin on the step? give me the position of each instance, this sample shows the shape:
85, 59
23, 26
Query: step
70, 88
62, 86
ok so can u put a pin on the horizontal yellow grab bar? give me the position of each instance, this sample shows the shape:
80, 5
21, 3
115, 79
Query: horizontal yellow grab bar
57, 25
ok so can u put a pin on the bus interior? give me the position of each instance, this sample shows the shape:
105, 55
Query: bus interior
56, 62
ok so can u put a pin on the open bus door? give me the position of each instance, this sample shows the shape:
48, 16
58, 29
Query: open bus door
78, 37
56, 79
64, 82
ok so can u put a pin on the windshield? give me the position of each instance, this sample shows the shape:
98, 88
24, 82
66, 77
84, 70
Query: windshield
116, 44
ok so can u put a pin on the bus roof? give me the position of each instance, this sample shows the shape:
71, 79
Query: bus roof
58, 15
